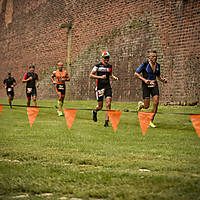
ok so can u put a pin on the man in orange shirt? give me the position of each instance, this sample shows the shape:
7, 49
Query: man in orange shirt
61, 76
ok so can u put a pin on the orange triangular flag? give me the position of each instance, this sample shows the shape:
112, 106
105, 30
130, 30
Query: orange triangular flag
196, 123
70, 115
32, 114
144, 119
1, 108
114, 117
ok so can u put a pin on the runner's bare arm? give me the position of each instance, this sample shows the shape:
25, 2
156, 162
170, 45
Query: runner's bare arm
113, 77
24, 80
164, 80
36, 83
141, 78
67, 77
93, 76
53, 76
14, 84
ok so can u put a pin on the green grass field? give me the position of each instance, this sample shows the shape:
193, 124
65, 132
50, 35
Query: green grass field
46, 161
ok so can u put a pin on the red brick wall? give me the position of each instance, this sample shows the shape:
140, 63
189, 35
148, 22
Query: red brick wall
127, 29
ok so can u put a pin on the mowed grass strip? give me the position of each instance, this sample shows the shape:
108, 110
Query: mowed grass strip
93, 162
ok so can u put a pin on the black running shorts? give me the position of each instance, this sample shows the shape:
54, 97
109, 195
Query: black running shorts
100, 93
60, 88
31, 91
147, 91
10, 92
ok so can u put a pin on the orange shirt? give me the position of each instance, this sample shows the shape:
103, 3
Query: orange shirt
59, 76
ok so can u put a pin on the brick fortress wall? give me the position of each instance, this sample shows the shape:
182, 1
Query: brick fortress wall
30, 34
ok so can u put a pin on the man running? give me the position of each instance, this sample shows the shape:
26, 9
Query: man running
150, 74
9, 84
102, 72
61, 76
31, 80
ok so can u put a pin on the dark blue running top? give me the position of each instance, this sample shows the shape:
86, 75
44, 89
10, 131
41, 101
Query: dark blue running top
147, 72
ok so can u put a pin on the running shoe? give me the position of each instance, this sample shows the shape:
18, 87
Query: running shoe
94, 116
139, 107
60, 113
106, 123
152, 125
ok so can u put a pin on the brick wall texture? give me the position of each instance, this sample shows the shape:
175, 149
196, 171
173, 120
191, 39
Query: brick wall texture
30, 33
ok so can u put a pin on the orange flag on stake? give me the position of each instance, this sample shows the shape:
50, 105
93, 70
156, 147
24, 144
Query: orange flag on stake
1, 108
144, 119
32, 114
196, 123
70, 115
114, 117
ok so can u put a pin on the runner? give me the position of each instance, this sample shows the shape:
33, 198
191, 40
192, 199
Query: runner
31, 80
102, 72
61, 76
9, 84
150, 74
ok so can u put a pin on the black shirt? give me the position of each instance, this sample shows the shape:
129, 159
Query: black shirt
31, 83
101, 70
9, 82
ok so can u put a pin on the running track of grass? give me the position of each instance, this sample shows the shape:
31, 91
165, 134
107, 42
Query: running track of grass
47, 161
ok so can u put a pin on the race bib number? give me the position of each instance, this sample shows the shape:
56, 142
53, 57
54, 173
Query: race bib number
9, 89
29, 90
152, 84
100, 92
61, 87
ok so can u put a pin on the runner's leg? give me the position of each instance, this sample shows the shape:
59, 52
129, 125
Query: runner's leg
155, 105
10, 98
146, 103
98, 107
108, 106
59, 101
34, 100
28, 101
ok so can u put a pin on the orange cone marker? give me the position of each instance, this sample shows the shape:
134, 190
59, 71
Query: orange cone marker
144, 119
70, 115
196, 123
1, 108
114, 117
32, 114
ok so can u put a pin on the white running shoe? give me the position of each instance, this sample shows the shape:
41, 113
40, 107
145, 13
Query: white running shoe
139, 107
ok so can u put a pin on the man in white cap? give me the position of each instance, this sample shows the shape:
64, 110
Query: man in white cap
102, 72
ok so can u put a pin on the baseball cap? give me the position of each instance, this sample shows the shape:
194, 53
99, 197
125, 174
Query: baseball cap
105, 54
9, 73
60, 64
